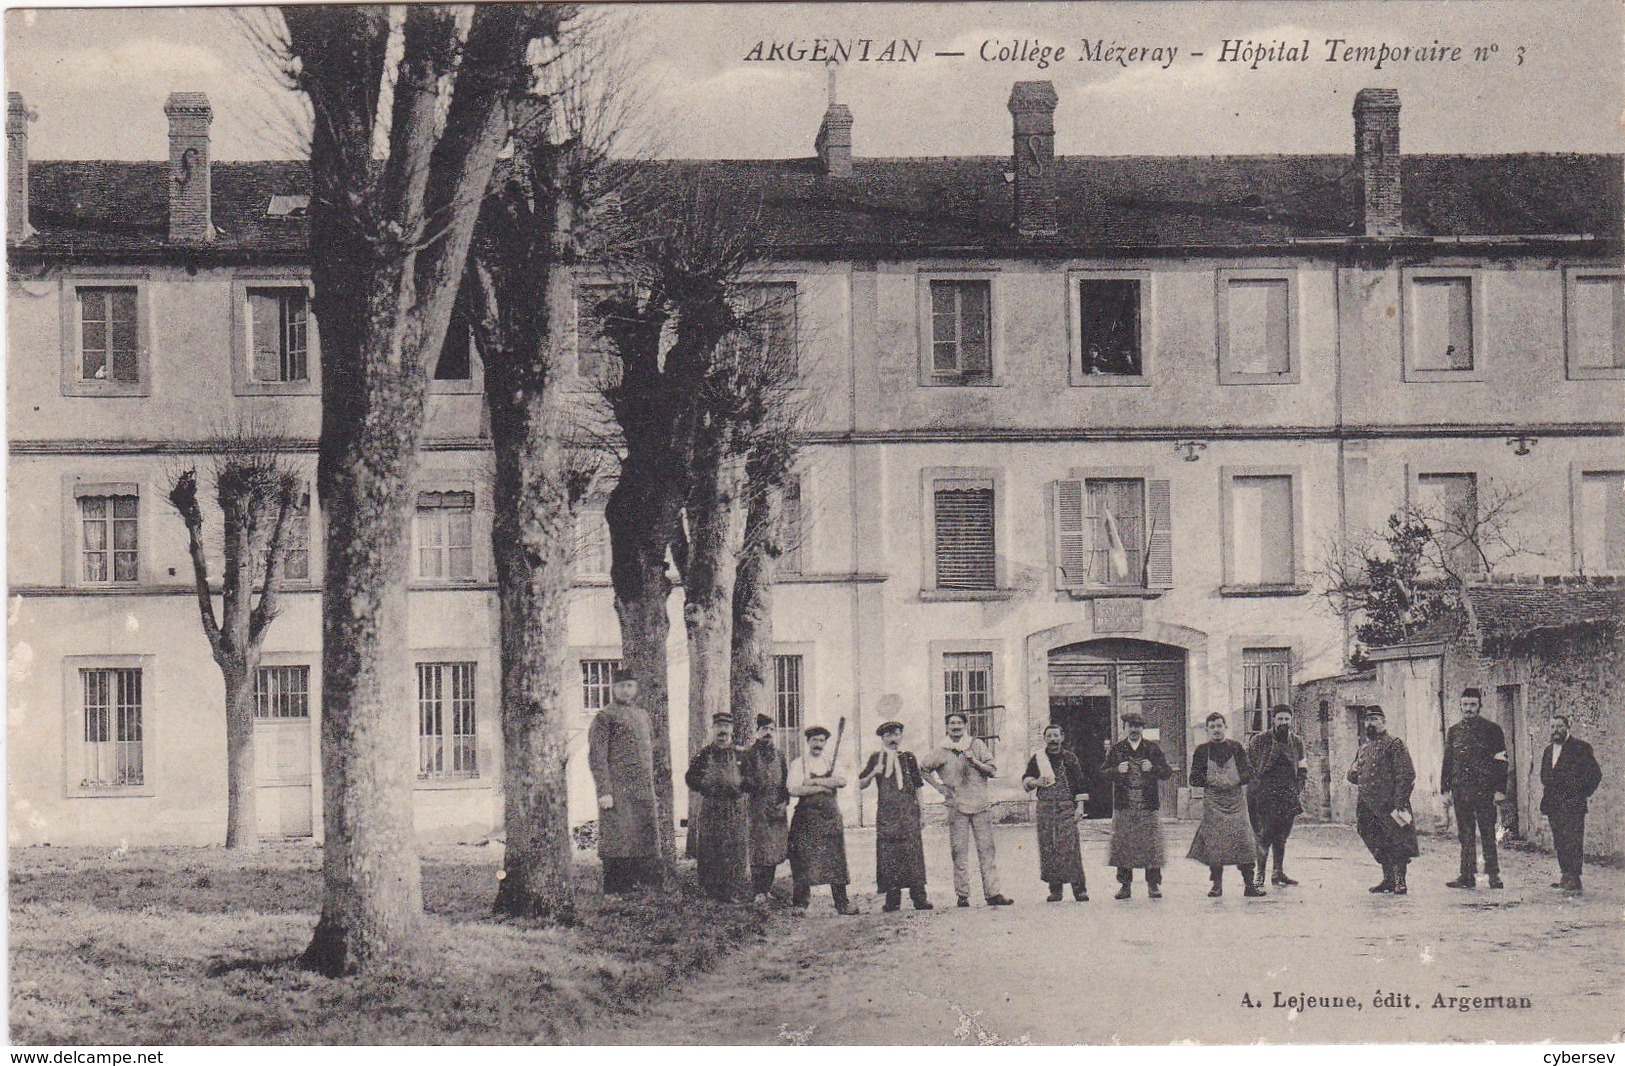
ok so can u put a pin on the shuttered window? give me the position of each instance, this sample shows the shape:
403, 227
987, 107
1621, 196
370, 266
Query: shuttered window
961, 344
1261, 531
296, 544
1113, 532
1449, 503
1596, 322
1256, 338
1442, 326
592, 544
1601, 532
444, 529
791, 532
768, 313
279, 326
964, 535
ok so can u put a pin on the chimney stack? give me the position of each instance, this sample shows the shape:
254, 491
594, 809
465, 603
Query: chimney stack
1032, 107
1376, 148
17, 119
189, 201
834, 141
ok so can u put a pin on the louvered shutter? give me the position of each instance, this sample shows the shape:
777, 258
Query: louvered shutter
1159, 565
1071, 536
964, 524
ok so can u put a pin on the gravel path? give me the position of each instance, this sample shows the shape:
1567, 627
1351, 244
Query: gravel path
1177, 969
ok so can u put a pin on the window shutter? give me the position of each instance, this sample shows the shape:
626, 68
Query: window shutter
964, 523
264, 318
974, 331
1159, 563
1071, 536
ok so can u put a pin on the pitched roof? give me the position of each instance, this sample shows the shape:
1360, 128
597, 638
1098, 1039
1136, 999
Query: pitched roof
1107, 204
1511, 613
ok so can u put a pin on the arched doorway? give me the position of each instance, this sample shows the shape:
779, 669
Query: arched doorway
1093, 683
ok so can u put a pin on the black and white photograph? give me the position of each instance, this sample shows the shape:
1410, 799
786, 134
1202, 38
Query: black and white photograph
790, 524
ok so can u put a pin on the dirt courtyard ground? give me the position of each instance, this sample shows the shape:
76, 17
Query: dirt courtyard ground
1176, 969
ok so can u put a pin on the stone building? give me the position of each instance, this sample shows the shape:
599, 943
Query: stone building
1085, 426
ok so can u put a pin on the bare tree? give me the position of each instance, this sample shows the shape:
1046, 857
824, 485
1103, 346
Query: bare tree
427, 88
259, 492
1411, 576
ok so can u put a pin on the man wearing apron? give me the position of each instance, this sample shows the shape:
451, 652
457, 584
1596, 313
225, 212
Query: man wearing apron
1134, 766
817, 835
1225, 837
1057, 777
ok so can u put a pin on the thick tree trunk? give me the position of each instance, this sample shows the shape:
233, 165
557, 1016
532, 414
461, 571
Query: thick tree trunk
242, 791
641, 511
715, 529
750, 672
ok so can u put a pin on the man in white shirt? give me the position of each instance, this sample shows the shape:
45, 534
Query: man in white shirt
959, 768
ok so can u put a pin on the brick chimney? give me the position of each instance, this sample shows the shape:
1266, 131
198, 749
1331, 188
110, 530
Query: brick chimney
189, 118
17, 119
1032, 109
1376, 149
834, 141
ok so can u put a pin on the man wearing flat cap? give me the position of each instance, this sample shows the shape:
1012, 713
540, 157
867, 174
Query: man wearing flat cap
1474, 778
622, 762
817, 834
1386, 775
959, 768
769, 808
899, 849
721, 773
1136, 767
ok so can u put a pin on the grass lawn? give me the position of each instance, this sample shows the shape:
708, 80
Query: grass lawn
198, 946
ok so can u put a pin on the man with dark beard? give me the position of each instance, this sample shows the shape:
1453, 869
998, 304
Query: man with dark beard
1274, 798
1569, 774
769, 809
1386, 775
722, 774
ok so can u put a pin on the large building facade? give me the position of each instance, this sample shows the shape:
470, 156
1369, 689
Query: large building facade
1084, 431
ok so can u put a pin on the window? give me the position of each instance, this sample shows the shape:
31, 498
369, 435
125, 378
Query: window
1600, 525
282, 692
1109, 342
112, 753
456, 362
446, 726
279, 328
592, 544
961, 332
1449, 503
1261, 533
1443, 331
792, 533
444, 531
1596, 323
967, 685
296, 539
963, 514
769, 313
109, 345
789, 694
109, 539
597, 684
1113, 533
1266, 674
1256, 335
596, 357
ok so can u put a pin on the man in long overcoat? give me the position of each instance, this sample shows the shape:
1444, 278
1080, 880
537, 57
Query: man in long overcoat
723, 775
769, 808
1135, 767
1274, 799
1474, 778
1569, 774
622, 762
1386, 775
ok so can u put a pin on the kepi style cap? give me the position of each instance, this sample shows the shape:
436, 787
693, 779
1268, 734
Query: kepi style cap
763, 720
888, 727
1133, 718
623, 673
722, 718
1376, 712
814, 731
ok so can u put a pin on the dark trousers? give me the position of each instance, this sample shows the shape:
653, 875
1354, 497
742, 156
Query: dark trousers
1380, 838
1153, 875
1082, 885
1272, 834
1475, 816
1216, 873
626, 874
801, 894
894, 897
761, 879
1568, 840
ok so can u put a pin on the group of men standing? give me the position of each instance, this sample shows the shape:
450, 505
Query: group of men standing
1251, 798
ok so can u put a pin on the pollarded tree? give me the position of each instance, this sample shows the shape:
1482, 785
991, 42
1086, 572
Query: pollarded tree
410, 108
259, 494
